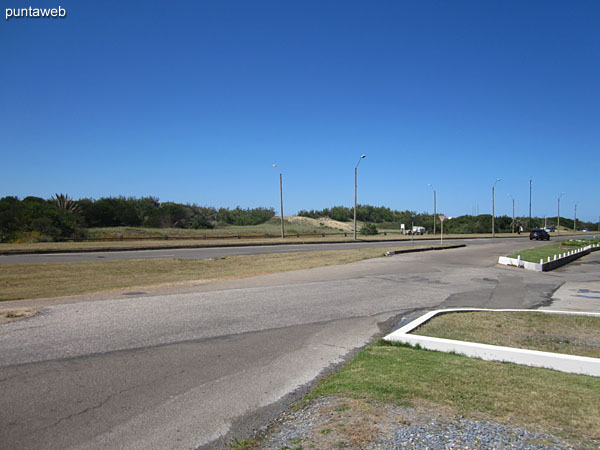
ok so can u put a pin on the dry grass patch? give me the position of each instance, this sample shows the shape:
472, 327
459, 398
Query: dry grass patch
562, 404
25, 281
187, 243
10, 315
559, 333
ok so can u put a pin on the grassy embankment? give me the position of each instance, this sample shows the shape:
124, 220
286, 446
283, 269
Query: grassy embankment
562, 404
25, 281
142, 234
569, 334
537, 253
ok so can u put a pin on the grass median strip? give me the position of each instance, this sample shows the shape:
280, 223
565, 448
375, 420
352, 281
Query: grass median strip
25, 281
563, 404
535, 254
558, 333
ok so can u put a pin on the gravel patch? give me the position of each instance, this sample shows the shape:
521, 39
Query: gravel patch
342, 423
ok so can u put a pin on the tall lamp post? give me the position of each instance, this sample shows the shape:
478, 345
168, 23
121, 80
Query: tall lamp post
434, 206
530, 184
513, 216
355, 190
280, 197
494, 208
575, 217
558, 217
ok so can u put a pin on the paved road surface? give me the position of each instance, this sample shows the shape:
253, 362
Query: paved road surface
190, 368
215, 252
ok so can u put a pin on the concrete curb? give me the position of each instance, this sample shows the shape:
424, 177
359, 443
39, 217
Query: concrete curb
550, 264
565, 363
240, 244
425, 249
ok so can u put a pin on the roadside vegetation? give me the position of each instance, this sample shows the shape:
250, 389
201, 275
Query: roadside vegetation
558, 333
61, 218
26, 281
272, 228
563, 404
543, 252
387, 219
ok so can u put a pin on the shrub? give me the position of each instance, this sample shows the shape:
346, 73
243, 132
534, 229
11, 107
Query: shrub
369, 229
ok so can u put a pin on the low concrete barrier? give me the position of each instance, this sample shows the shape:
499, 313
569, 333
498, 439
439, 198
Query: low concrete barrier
565, 363
553, 262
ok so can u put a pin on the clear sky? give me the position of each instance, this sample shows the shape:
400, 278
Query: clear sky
193, 101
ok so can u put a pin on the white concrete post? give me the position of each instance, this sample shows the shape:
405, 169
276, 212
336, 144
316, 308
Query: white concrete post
519, 261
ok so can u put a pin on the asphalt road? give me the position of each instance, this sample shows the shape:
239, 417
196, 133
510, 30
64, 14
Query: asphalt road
213, 252
193, 368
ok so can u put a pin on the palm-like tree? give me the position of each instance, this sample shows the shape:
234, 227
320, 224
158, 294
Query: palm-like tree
66, 203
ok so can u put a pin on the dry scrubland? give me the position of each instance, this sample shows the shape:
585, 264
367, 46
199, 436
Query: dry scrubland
23, 281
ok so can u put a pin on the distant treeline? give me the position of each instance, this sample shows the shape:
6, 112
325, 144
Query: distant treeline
365, 213
386, 218
61, 217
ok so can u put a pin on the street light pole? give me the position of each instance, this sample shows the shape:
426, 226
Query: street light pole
513, 216
280, 198
494, 208
558, 217
530, 183
434, 206
355, 190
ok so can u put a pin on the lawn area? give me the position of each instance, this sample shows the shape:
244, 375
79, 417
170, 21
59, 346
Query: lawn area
23, 281
563, 404
271, 227
559, 333
543, 252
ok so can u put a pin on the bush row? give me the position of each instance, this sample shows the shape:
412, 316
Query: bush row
391, 219
62, 218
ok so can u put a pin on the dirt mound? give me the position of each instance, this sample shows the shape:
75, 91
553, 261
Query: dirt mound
320, 222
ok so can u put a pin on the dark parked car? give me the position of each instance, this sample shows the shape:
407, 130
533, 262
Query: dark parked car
539, 234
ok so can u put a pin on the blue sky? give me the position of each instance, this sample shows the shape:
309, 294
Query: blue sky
194, 102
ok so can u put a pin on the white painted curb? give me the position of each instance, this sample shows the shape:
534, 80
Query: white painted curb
552, 263
564, 363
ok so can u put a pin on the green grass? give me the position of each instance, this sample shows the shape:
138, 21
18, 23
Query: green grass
40, 280
272, 227
244, 444
564, 404
559, 333
543, 252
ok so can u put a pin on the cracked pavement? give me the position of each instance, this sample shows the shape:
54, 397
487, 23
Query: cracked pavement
192, 367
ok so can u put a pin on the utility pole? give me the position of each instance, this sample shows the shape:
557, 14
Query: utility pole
280, 198
493, 208
530, 183
575, 217
434, 206
355, 190
558, 218
513, 215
